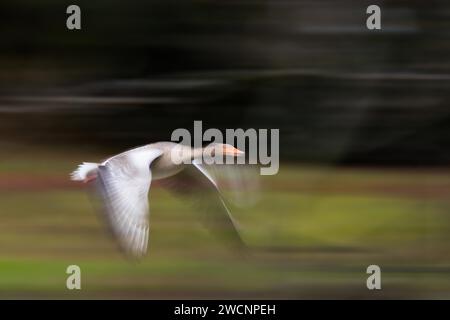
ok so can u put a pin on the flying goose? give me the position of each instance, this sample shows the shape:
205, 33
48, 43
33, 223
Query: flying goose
122, 183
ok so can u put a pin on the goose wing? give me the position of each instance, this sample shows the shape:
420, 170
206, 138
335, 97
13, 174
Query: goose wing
201, 191
239, 184
123, 184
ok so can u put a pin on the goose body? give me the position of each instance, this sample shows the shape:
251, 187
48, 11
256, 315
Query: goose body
122, 183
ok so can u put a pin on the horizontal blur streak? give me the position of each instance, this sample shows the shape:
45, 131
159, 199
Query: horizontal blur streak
364, 123
134, 73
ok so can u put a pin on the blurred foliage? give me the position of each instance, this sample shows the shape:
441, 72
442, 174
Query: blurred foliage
312, 235
136, 71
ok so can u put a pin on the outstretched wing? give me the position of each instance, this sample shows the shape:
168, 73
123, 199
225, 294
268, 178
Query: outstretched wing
239, 184
123, 184
199, 188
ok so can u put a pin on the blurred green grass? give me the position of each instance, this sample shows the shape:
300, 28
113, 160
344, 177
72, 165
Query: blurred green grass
312, 235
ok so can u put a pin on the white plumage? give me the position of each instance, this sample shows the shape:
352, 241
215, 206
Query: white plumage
83, 171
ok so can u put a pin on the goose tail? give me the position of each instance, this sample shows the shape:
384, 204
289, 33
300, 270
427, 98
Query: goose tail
86, 172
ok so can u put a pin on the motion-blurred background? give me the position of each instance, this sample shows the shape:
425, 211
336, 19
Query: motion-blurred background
364, 125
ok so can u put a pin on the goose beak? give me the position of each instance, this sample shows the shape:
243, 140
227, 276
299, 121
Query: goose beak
232, 151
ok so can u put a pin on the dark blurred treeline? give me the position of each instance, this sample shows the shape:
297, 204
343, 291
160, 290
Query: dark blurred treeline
139, 69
